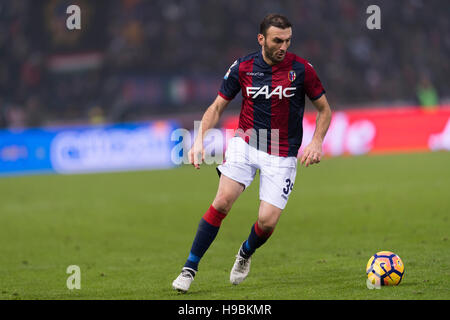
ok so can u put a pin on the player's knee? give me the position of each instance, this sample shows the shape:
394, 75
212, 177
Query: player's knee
223, 203
267, 225
268, 217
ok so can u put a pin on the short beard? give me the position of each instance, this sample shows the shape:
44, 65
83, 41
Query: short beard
270, 55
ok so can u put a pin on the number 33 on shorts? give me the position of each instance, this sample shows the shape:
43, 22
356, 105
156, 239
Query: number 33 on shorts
288, 188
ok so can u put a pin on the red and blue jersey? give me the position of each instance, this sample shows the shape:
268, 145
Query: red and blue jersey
273, 100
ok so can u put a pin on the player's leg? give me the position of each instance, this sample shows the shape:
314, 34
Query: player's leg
208, 227
227, 193
236, 174
276, 183
260, 231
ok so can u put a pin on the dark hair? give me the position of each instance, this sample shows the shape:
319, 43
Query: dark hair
274, 20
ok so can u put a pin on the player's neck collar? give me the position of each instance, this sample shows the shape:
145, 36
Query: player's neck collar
261, 57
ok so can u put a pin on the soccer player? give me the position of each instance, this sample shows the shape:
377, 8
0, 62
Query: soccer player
273, 83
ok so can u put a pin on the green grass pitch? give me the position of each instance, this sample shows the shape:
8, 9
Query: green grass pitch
130, 233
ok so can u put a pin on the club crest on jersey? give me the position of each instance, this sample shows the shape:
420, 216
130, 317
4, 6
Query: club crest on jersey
292, 75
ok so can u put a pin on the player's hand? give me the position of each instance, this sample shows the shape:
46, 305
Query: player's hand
196, 155
312, 153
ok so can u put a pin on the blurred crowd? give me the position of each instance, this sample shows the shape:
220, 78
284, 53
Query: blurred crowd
136, 58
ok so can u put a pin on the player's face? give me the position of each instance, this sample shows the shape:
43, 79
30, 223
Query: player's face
275, 43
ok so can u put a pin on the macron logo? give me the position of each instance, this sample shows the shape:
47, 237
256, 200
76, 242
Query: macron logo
254, 92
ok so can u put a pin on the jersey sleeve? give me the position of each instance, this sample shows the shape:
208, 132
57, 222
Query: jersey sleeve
230, 84
313, 87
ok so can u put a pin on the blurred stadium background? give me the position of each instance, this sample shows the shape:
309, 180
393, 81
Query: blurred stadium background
108, 97
136, 60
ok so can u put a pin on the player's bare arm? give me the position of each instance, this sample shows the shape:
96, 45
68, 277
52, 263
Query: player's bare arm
313, 151
209, 120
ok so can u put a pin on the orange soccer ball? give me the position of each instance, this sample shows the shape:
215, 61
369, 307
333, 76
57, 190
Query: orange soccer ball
385, 268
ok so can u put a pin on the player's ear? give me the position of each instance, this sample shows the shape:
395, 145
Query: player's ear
261, 39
